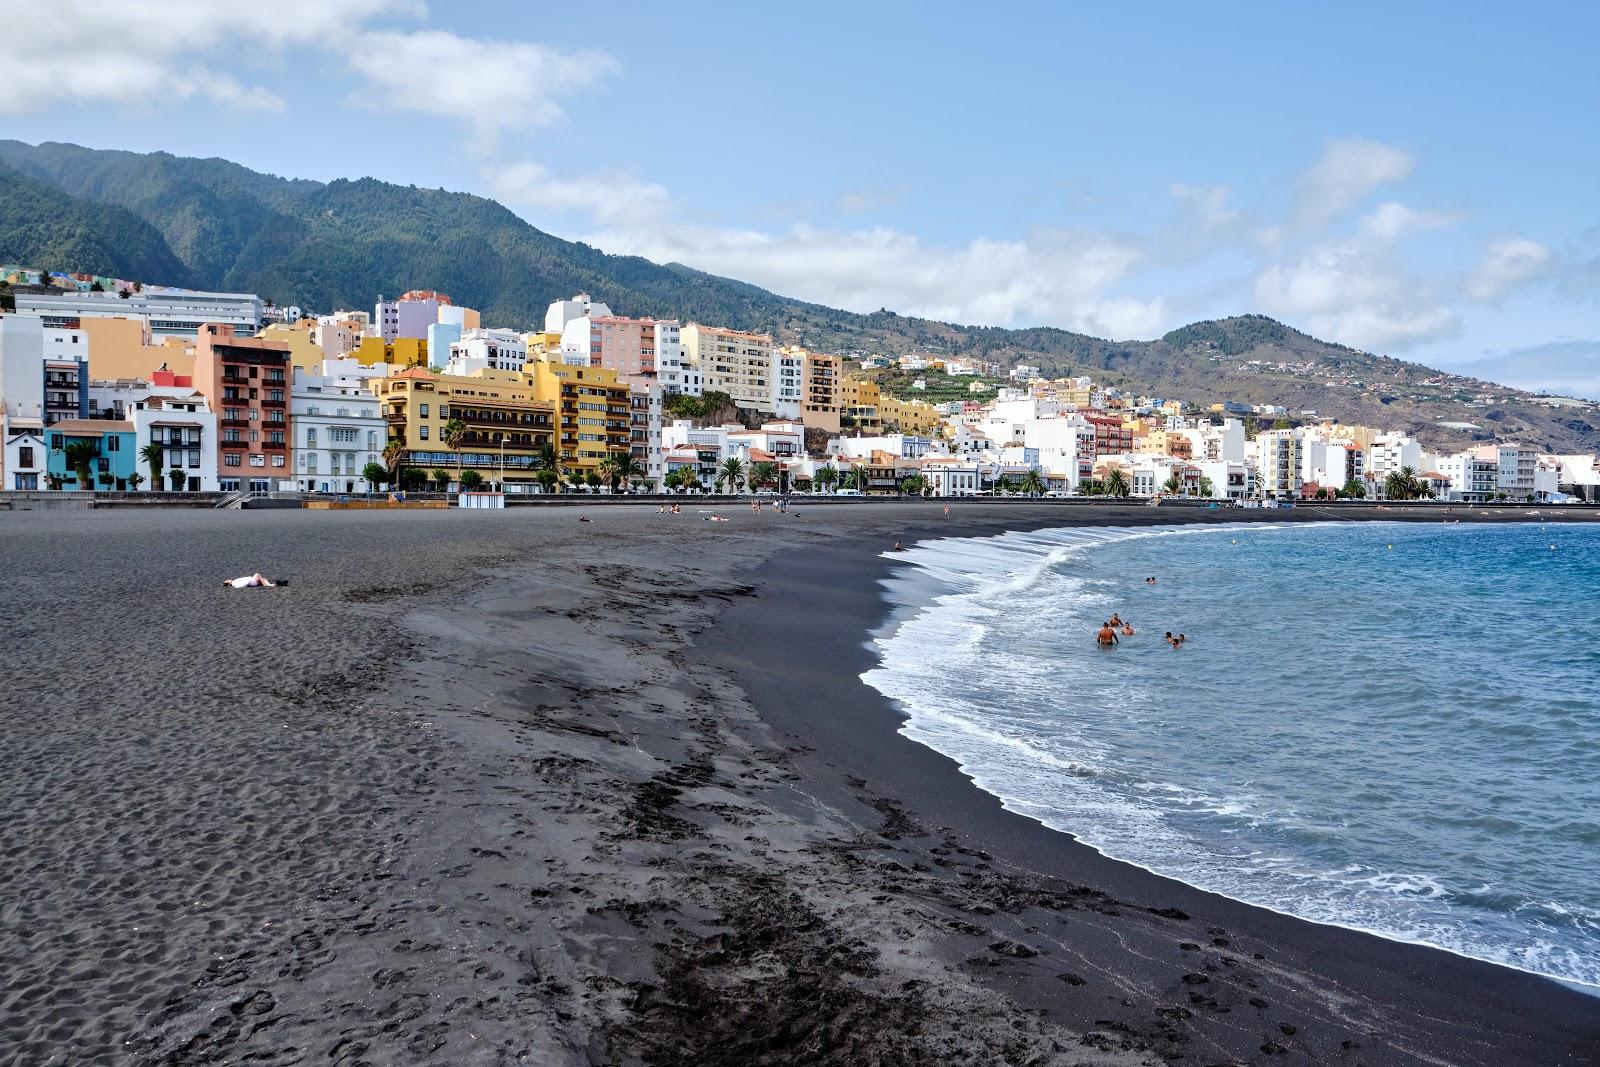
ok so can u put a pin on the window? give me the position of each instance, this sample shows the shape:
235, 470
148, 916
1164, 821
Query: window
372, 440
255, 435
311, 462
55, 441
342, 436
312, 410
257, 459
275, 437
252, 374
25, 456
277, 461
230, 459
194, 458
422, 411
422, 433
311, 437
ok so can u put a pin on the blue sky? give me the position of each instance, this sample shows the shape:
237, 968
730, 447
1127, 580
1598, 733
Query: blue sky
1415, 179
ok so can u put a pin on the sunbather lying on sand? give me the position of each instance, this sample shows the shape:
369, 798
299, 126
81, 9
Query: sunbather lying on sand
253, 581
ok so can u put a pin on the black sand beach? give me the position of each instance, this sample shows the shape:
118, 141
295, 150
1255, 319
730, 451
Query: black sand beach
505, 788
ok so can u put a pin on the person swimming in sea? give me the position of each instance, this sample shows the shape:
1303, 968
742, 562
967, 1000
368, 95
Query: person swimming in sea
1116, 620
1107, 637
1127, 629
1149, 581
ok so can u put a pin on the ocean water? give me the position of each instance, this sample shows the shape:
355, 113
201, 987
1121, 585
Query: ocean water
1392, 727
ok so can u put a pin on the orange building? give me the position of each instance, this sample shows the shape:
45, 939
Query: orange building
246, 380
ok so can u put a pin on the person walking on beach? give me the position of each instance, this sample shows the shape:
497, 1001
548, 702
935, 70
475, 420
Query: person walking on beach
947, 511
1107, 637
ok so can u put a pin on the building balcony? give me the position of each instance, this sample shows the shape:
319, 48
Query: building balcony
274, 404
393, 418
274, 446
241, 424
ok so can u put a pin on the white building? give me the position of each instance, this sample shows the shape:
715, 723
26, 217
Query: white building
338, 428
562, 312
952, 477
486, 349
1473, 477
1390, 452
906, 446
644, 424
1277, 463
185, 427
788, 374
25, 456
168, 312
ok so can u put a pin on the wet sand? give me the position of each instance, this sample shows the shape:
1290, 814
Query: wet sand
507, 788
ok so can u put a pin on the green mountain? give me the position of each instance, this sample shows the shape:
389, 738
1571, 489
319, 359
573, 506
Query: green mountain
213, 224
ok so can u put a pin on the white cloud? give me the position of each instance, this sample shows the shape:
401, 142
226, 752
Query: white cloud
1506, 265
487, 86
607, 198
1207, 204
1350, 295
1391, 221
138, 53
1346, 173
1054, 277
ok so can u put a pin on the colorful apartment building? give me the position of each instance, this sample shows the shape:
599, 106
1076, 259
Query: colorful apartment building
819, 390
732, 362
594, 410
115, 452
506, 424
246, 381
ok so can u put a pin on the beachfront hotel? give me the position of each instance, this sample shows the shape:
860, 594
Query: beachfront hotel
246, 380
506, 424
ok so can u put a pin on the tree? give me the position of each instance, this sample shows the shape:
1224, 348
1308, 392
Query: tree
1117, 484
471, 481
1320, 494
674, 479
859, 477
689, 478
441, 480
105, 479
608, 472
591, 479
1172, 486
153, 455
176, 478
412, 478
1206, 488
546, 478
453, 435
763, 475
79, 455
731, 473
1355, 489
375, 474
394, 456
1034, 483
915, 485
826, 477
1283, 423
55, 481
1404, 484
124, 292
628, 468
135, 480
1001, 485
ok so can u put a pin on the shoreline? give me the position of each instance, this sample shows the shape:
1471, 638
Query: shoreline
1469, 1004
497, 787
900, 611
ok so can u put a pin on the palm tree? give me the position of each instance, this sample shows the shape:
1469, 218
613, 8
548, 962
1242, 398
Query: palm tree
1354, 489
826, 477
1002, 484
79, 455
1117, 484
689, 478
1172, 487
135, 480
915, 485
860, 476
153, 454
454, 435
1034, 484
763, 474
731, 473
608, 472
394, 454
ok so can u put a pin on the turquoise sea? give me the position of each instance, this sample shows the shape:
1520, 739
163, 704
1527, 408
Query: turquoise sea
1393, 727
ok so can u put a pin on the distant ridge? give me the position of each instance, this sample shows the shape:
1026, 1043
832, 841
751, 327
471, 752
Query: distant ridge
210, 223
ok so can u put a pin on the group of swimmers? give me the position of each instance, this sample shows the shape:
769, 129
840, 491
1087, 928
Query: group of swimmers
1114, 629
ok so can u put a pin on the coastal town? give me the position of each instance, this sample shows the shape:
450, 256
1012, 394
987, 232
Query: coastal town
114, 385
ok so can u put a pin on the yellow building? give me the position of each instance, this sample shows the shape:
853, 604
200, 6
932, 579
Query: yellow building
541, 345
594, 412
908, 416
858, 405
401, 352
122, 348
304, 352
506, 423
